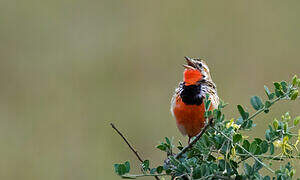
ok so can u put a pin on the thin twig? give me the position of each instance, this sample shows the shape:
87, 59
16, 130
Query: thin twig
263, 156
261, 110
132, 149
195, 140
215, 176
276, 158
267, 167
142, 175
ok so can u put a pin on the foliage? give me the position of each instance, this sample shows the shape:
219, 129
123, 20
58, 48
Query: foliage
224, 152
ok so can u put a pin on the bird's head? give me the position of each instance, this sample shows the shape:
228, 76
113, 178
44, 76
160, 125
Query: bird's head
196, 70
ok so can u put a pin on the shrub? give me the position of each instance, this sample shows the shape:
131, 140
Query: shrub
222, 151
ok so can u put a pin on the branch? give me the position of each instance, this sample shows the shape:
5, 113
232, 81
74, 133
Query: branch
131, 176
262, 109
209, 123
217, 176
250, 154
276, 158
132, 149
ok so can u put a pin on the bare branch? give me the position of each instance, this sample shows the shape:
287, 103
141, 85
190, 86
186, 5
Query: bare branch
132, 149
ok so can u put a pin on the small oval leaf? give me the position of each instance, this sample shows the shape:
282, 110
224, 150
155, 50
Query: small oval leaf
256, 103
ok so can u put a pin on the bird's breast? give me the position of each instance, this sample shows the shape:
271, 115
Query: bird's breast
188, 108
189, 118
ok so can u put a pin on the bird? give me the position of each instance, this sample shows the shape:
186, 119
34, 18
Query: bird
187, 104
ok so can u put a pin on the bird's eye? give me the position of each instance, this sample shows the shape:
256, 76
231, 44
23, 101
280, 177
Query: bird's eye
200, 65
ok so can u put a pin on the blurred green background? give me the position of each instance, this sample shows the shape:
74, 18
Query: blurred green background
69, 68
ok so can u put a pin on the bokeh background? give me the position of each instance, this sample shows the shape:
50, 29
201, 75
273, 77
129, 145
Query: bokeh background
69, 68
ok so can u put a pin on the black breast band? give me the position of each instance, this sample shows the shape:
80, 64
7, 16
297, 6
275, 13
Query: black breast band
191, 95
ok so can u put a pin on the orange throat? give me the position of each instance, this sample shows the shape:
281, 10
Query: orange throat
191, 76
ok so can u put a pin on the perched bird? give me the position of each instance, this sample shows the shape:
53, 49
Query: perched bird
187, 105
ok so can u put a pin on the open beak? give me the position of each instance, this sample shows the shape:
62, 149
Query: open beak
187, 66
190, 63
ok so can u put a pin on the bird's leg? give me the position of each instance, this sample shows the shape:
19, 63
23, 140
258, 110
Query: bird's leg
189, 140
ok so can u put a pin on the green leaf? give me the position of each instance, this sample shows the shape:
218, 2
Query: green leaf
275, 124
222, 104
284, 86
197, 173
242, 112
248, 169
168, 171
206, 96
268, 136
207, 105
292, 172
258, 140
253, 147
277, 92
120, 169
285, 127
294, 81
116, 166
173, 160
127, 165
186, 167
272, 95
271, 148
267, 178
180, 146
222, 118
246, 144
268, 104
159, 169
256, 103
222, 164
249, 124
237, 138
168, 141
258, 150
161, 147
152, 171
287, 117
294, 95
239, 121
217, 114
257, 166
296, 120
267, 91
207, 114
180, 168
277, 85
264, 146
145, 165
